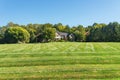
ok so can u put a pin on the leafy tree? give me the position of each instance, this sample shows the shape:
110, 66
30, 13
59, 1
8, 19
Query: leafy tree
73, 29
48, 34
67, 29
97, 33
117, 32
32, 33
113, 32
45, 33
16, 35
11, 24
80, 34
2, 32
61, 27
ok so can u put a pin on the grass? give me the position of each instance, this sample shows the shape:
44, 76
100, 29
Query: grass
60, 60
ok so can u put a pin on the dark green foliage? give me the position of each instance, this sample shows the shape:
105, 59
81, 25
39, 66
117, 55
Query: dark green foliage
16, 35
46, 32
60, 27
2, 32
105, 33
113, 30
96, 33
32, 33
1, 38
79, 33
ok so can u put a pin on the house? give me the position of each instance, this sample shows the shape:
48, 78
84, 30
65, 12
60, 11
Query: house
71, 37
61, 35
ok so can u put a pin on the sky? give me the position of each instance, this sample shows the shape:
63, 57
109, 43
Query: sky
67, 12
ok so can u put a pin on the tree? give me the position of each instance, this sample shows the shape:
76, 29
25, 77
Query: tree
61, 27
48, 34
113, 32
32, 33
67, 29
80, 34
2, 32
11, 24
16, 35
117, 32
45, 33
97, 32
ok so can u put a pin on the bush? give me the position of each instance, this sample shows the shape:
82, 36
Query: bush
17, 35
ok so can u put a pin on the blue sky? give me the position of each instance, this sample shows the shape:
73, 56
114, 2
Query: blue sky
71, 12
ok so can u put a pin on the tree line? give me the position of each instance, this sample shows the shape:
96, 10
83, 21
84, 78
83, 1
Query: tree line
34, 33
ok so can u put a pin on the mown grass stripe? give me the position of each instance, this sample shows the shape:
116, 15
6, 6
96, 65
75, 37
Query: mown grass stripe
60, 60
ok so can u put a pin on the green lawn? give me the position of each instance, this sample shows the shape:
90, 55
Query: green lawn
60, 60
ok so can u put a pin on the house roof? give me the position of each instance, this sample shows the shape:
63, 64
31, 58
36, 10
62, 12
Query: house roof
62, 33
